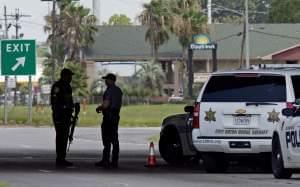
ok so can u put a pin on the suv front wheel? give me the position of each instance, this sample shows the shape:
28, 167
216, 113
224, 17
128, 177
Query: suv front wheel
170, 147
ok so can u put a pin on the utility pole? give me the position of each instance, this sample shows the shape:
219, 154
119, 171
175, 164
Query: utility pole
17, 17
53, 39
242, 64
209, 14
6, 77
52, 45
97, 11
247, 35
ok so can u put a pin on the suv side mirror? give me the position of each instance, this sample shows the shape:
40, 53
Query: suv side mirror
297, 102
189, 109
287, 112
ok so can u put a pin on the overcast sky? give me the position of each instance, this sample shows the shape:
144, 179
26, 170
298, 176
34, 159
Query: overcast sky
32, 27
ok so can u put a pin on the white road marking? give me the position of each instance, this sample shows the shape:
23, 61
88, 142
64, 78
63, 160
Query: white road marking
45, 171
120, 184
124, 143
26, 146
28, 157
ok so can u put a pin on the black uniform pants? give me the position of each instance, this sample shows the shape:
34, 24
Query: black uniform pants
109, 130
62, 129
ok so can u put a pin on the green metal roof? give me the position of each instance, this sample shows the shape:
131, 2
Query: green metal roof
126, 43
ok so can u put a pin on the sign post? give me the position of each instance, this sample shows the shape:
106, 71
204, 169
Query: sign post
30, 100
18, 57
200, 42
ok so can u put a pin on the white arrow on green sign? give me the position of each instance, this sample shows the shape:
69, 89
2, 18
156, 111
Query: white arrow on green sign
18, 57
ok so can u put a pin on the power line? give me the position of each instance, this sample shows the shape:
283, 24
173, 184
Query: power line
230, 36
260, 32
16, 17
32, 23
276, 35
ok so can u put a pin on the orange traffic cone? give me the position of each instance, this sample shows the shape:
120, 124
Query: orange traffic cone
151, 157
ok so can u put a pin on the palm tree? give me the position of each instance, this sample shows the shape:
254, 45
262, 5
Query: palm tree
155, 16
47, 70
151, 78
78, 29
55, 42
74, 30
79, 79
131, 87
186, 21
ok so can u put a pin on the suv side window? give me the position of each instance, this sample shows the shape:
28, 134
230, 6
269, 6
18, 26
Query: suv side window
296, 85
245, 88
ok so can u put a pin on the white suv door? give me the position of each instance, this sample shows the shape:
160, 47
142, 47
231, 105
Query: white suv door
290, 139
291, 133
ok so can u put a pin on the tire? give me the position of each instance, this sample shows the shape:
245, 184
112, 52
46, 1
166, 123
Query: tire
278, 169
170, 148
215, 162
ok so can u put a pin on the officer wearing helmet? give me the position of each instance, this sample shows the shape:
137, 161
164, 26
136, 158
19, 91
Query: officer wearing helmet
62, 108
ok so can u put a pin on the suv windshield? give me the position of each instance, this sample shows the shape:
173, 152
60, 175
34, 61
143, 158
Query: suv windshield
296, 85
238, 88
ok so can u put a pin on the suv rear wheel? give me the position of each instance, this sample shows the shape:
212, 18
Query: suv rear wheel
278, 169
215, 162
170, 147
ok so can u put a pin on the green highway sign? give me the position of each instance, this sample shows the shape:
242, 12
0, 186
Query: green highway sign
18, 57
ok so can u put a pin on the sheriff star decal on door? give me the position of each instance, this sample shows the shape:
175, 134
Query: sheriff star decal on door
273, 116
210, 115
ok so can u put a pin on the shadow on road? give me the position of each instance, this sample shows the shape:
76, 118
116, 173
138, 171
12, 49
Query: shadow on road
130, 162
44, 161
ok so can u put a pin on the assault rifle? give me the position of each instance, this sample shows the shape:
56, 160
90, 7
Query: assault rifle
73, 123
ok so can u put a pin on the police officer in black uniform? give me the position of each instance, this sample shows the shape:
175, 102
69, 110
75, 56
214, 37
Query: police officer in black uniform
110, 108
62, 109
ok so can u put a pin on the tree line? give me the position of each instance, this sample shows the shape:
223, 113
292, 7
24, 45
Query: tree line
75, 28
260, 11
70, 31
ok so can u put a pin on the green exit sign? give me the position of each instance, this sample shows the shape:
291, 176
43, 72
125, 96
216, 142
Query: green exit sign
18, 57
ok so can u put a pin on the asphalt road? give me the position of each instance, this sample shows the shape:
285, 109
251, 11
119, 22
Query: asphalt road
27, 160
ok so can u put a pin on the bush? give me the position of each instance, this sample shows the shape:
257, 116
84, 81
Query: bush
197, 88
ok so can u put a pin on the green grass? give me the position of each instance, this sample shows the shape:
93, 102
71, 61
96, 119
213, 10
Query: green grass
131, 116
154, 138
3, 184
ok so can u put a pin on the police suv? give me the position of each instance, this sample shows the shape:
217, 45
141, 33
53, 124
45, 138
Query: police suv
234, 115
286, 140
